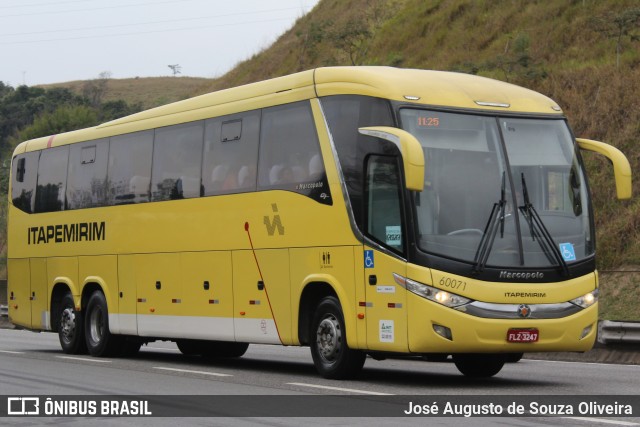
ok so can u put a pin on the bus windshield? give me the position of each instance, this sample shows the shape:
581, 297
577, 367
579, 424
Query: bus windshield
501, 192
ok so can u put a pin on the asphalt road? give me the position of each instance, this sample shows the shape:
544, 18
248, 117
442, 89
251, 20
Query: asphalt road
33, 364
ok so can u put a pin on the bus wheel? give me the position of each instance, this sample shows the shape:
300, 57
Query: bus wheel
191, 347
100, 342
479, 365
514, 357
71, 328
215, 349
332, 357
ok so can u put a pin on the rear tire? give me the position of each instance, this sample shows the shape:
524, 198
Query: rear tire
100, 342
71, 327
479, 365
332, 357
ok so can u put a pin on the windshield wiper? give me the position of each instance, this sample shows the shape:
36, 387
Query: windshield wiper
495, 222
539, 230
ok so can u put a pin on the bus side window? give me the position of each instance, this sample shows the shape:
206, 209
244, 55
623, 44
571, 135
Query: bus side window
231, 154
129, 171
290, 151
177, 160
52, 179
384, 202
87, 180
23, 186
345, 114
20, 169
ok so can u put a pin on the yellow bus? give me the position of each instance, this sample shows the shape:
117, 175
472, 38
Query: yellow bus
354, 210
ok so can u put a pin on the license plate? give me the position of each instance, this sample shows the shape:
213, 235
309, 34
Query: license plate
522, 335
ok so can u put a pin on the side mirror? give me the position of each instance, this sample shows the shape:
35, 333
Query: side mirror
410, 149
621, 166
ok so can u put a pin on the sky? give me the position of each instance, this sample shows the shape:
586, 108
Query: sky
53, 41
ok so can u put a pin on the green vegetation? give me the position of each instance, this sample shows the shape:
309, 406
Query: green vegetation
585, 54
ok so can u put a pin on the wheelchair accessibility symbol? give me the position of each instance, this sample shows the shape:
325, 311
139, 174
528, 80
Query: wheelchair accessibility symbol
368, 259
568, 252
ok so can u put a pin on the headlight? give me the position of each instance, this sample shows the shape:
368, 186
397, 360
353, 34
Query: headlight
586, 300
429, 292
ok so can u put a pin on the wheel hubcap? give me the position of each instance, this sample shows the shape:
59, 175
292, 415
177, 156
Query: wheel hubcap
96, 325
68, 324
329, 338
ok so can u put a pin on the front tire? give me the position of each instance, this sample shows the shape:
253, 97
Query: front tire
332, 357
100, 342
71, 327
479, 365
514, 357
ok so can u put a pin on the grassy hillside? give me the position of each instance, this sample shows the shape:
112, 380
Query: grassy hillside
148, 91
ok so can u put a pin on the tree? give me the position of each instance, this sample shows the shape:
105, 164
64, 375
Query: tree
175, 69
620, 27
95, 90
112, 110
5, 89
64, 119
352, 39
312, 35
19, 107
517, 60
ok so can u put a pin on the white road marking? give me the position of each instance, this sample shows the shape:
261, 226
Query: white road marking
214, 374
583, 363
84, 359
11, 352
603, 420
350, 390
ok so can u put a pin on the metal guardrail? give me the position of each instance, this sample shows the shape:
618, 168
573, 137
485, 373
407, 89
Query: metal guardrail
611, 332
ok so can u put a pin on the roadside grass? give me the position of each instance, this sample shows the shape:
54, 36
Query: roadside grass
620, 294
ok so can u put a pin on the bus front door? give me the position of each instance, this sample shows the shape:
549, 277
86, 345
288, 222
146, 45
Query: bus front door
386, 302
386, 305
